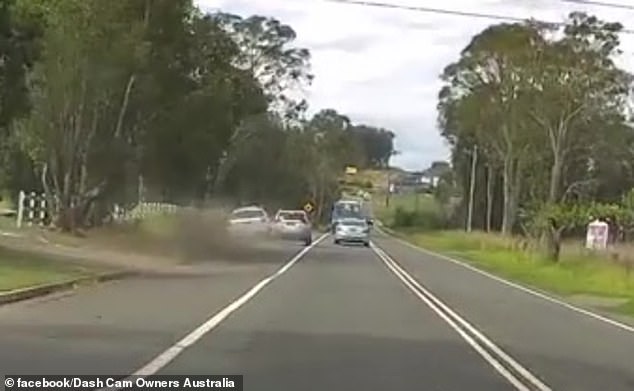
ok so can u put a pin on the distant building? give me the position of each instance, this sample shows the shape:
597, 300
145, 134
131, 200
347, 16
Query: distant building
412, 181
421, 181
436, 171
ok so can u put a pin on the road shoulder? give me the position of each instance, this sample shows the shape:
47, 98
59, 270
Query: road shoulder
569, 348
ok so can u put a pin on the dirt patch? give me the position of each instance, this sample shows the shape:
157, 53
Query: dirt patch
166, 244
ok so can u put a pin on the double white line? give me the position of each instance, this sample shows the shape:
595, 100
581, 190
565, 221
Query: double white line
505, 365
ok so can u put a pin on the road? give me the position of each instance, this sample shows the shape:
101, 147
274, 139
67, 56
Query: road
338, 318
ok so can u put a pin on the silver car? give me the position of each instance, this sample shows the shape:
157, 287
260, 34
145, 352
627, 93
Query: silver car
249, 220
293, 224
352, 230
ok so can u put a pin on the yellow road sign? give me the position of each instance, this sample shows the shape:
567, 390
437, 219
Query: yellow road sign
308, 207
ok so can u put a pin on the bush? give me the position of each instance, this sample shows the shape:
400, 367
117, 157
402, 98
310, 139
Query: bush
421, 219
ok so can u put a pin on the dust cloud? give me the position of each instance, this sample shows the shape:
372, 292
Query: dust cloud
202, 235
184, 242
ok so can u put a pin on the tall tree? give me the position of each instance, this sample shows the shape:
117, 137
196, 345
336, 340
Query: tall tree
267, 52
574, 83
20, 34
19, 44
377, 144
482, 87
526, 96
78, 88
206, 99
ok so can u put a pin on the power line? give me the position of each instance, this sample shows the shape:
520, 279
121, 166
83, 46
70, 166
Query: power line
441, 11
429, 10
600, 4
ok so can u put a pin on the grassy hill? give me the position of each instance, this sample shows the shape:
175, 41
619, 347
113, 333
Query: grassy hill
372, 180
409, 205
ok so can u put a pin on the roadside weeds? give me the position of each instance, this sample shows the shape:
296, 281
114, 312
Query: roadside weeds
582, 279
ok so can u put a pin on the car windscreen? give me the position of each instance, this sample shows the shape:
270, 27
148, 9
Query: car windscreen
247, 214
353, 223
346, 210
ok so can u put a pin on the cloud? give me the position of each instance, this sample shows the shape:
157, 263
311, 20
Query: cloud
381, 66
349, 44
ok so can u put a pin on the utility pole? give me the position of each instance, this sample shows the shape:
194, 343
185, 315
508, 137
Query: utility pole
388, 190
141, 189
390, 186
474, 162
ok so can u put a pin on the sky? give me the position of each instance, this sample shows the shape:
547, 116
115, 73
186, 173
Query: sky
381, 66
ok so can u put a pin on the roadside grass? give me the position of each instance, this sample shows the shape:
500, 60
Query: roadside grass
424, 204
578, 273
5, 202
7, 223
21, 269
152, 235
627, 308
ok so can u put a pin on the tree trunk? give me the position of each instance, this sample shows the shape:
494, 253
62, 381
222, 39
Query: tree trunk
320, 200
517, 185
124, 106
66, 204
490, 187
507, 218
555, 178
552, 241
50, 200
512, 184
472, 182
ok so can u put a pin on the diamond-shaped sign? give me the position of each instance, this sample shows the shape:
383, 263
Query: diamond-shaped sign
308, 207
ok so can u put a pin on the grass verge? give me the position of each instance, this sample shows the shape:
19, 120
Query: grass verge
580, 275
21, 270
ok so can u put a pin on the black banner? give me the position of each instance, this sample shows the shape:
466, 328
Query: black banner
114, 382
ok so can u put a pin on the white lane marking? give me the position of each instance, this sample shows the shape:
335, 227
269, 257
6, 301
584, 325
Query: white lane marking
530, 291
168, 355
452, 317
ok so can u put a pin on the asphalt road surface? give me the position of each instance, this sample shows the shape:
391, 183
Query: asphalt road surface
339, 318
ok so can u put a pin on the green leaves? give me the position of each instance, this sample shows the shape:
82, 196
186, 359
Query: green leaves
552, 106
19, 36
267, 51
155, 99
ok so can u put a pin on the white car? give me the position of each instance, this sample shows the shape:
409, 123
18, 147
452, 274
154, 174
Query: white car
352, 230
293, 224
249, 220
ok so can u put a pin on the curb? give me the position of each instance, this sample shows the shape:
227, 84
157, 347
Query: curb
21, 294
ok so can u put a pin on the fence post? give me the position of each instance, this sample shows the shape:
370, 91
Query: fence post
42, 209
21, 198
32, 208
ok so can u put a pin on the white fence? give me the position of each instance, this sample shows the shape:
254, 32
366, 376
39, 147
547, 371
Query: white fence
143, 210
33, 210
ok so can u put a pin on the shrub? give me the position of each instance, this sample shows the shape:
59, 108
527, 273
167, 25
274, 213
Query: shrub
421, 219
